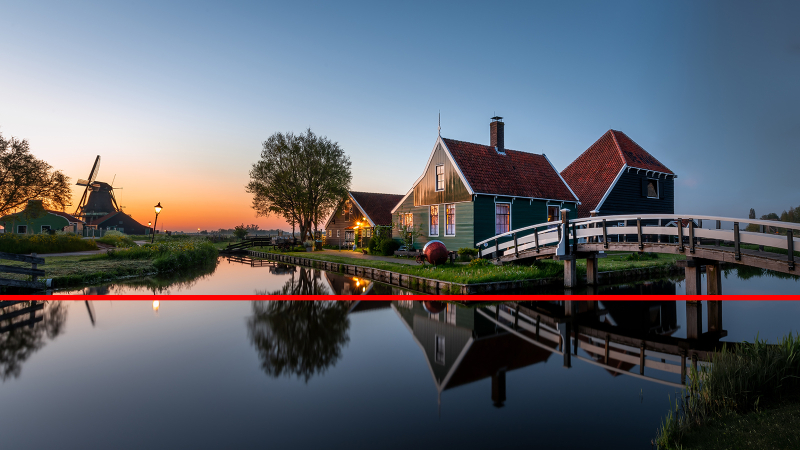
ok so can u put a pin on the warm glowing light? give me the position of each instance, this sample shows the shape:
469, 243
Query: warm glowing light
158, 208
156, 304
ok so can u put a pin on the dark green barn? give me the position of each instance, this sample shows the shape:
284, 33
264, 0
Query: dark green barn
470, 192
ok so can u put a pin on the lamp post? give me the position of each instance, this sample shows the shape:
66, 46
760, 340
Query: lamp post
150, 226
158, 210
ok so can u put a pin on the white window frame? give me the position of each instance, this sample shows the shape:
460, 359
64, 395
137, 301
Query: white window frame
453, 205
436, 174
337, 233
495, 217
658, 188
558, 212
430, 220
439, 348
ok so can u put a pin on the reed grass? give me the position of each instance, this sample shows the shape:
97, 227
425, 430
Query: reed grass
741, 379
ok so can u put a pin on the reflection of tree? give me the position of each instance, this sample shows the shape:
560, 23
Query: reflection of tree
22, 340
309, 282
300, 338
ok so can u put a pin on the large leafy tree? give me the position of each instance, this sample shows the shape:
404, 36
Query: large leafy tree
300, 178
23, 178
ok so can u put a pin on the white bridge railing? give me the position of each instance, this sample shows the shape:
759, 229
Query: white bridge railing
599, 229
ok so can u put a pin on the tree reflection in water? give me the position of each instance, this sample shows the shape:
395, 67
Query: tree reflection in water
21, 335
301, 338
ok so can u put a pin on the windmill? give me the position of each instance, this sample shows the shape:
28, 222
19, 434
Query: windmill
98, 197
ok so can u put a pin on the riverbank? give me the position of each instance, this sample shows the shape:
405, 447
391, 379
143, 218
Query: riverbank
748, 397
471, 279
159, 258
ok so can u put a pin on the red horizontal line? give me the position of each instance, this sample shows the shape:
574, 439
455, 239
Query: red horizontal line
483, 298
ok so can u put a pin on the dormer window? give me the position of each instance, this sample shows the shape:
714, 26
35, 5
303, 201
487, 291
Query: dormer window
651, 188
440, 177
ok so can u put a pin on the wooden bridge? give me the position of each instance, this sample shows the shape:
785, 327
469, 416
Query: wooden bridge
260, 242
589, 238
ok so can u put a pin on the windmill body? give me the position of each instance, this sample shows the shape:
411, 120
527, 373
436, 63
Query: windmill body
98, 198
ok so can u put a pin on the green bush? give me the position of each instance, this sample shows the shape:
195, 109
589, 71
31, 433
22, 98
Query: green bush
169, 256
44, 243
389, 247
641, 256
480, 263
467, 253
379, 240
117, 239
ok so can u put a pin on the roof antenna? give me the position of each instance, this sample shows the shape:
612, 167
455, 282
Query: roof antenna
440, 123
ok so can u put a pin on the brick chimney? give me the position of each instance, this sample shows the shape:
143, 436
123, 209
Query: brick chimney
496, 137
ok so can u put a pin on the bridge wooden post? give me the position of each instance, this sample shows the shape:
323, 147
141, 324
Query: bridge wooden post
761, 230
691, 235
565, 329
714, 315
660, 224
536, 238
694, 319
790, 248
516, 246
570, 271
719, 225
737, 254
499, 388
714, 279
680, 234
605, 235
591, 269
692, 277
639, 232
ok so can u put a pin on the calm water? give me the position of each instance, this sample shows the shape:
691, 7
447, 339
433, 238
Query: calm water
401, 374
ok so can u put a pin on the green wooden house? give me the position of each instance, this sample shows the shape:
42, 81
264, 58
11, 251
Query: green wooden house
34, 219
470, 192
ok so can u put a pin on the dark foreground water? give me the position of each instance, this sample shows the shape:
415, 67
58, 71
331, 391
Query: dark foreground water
357, 374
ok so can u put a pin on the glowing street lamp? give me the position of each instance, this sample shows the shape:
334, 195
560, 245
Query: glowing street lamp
158, 210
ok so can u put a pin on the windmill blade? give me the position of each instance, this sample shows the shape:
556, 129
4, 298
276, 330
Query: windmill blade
95, 169
82, 182
113, 179
81, 204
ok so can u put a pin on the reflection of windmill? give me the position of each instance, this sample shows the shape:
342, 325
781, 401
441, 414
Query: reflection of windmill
100, 200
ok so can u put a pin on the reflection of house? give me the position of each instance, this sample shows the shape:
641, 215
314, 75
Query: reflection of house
34, 219
462, 347
362, 211
615, 176
470, 192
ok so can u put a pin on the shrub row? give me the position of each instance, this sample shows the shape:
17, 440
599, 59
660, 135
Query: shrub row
44, 243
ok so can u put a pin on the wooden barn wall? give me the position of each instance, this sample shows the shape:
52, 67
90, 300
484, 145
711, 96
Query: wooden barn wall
464, 224
627, 198
524, 212
342, 222
454, 189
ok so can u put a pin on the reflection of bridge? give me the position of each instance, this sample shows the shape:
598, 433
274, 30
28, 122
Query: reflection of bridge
589, 238
464, 344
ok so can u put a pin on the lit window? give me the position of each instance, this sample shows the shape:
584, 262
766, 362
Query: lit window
337, 233
410, 220
502, 218
652, 188
369, 232
440, 177
439, 349
552, 213
402, 219
434, 225
450, 219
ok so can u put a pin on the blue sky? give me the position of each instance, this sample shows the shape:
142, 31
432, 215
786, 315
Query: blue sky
177, 97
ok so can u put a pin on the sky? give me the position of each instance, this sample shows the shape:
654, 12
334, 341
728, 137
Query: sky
177, 97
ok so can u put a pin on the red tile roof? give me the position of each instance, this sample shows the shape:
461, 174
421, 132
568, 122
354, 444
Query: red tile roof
69, 217
516, 173
99, 220
377, 207
593, 172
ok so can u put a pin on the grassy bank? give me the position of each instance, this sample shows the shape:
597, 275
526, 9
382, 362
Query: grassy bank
467, 274
160, 258
44, 243
748, 398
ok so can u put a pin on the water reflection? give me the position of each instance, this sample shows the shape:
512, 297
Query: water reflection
24, 328
298, 338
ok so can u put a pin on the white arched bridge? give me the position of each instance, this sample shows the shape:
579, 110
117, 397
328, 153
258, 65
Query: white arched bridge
772, 247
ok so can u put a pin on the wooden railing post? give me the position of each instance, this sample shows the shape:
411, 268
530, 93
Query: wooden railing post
536, 238
605, 235
680, 234
496, 248
639, 232
719, 225
737, 255
516, 247
790, 248
574, 248
34, 266
691, 235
